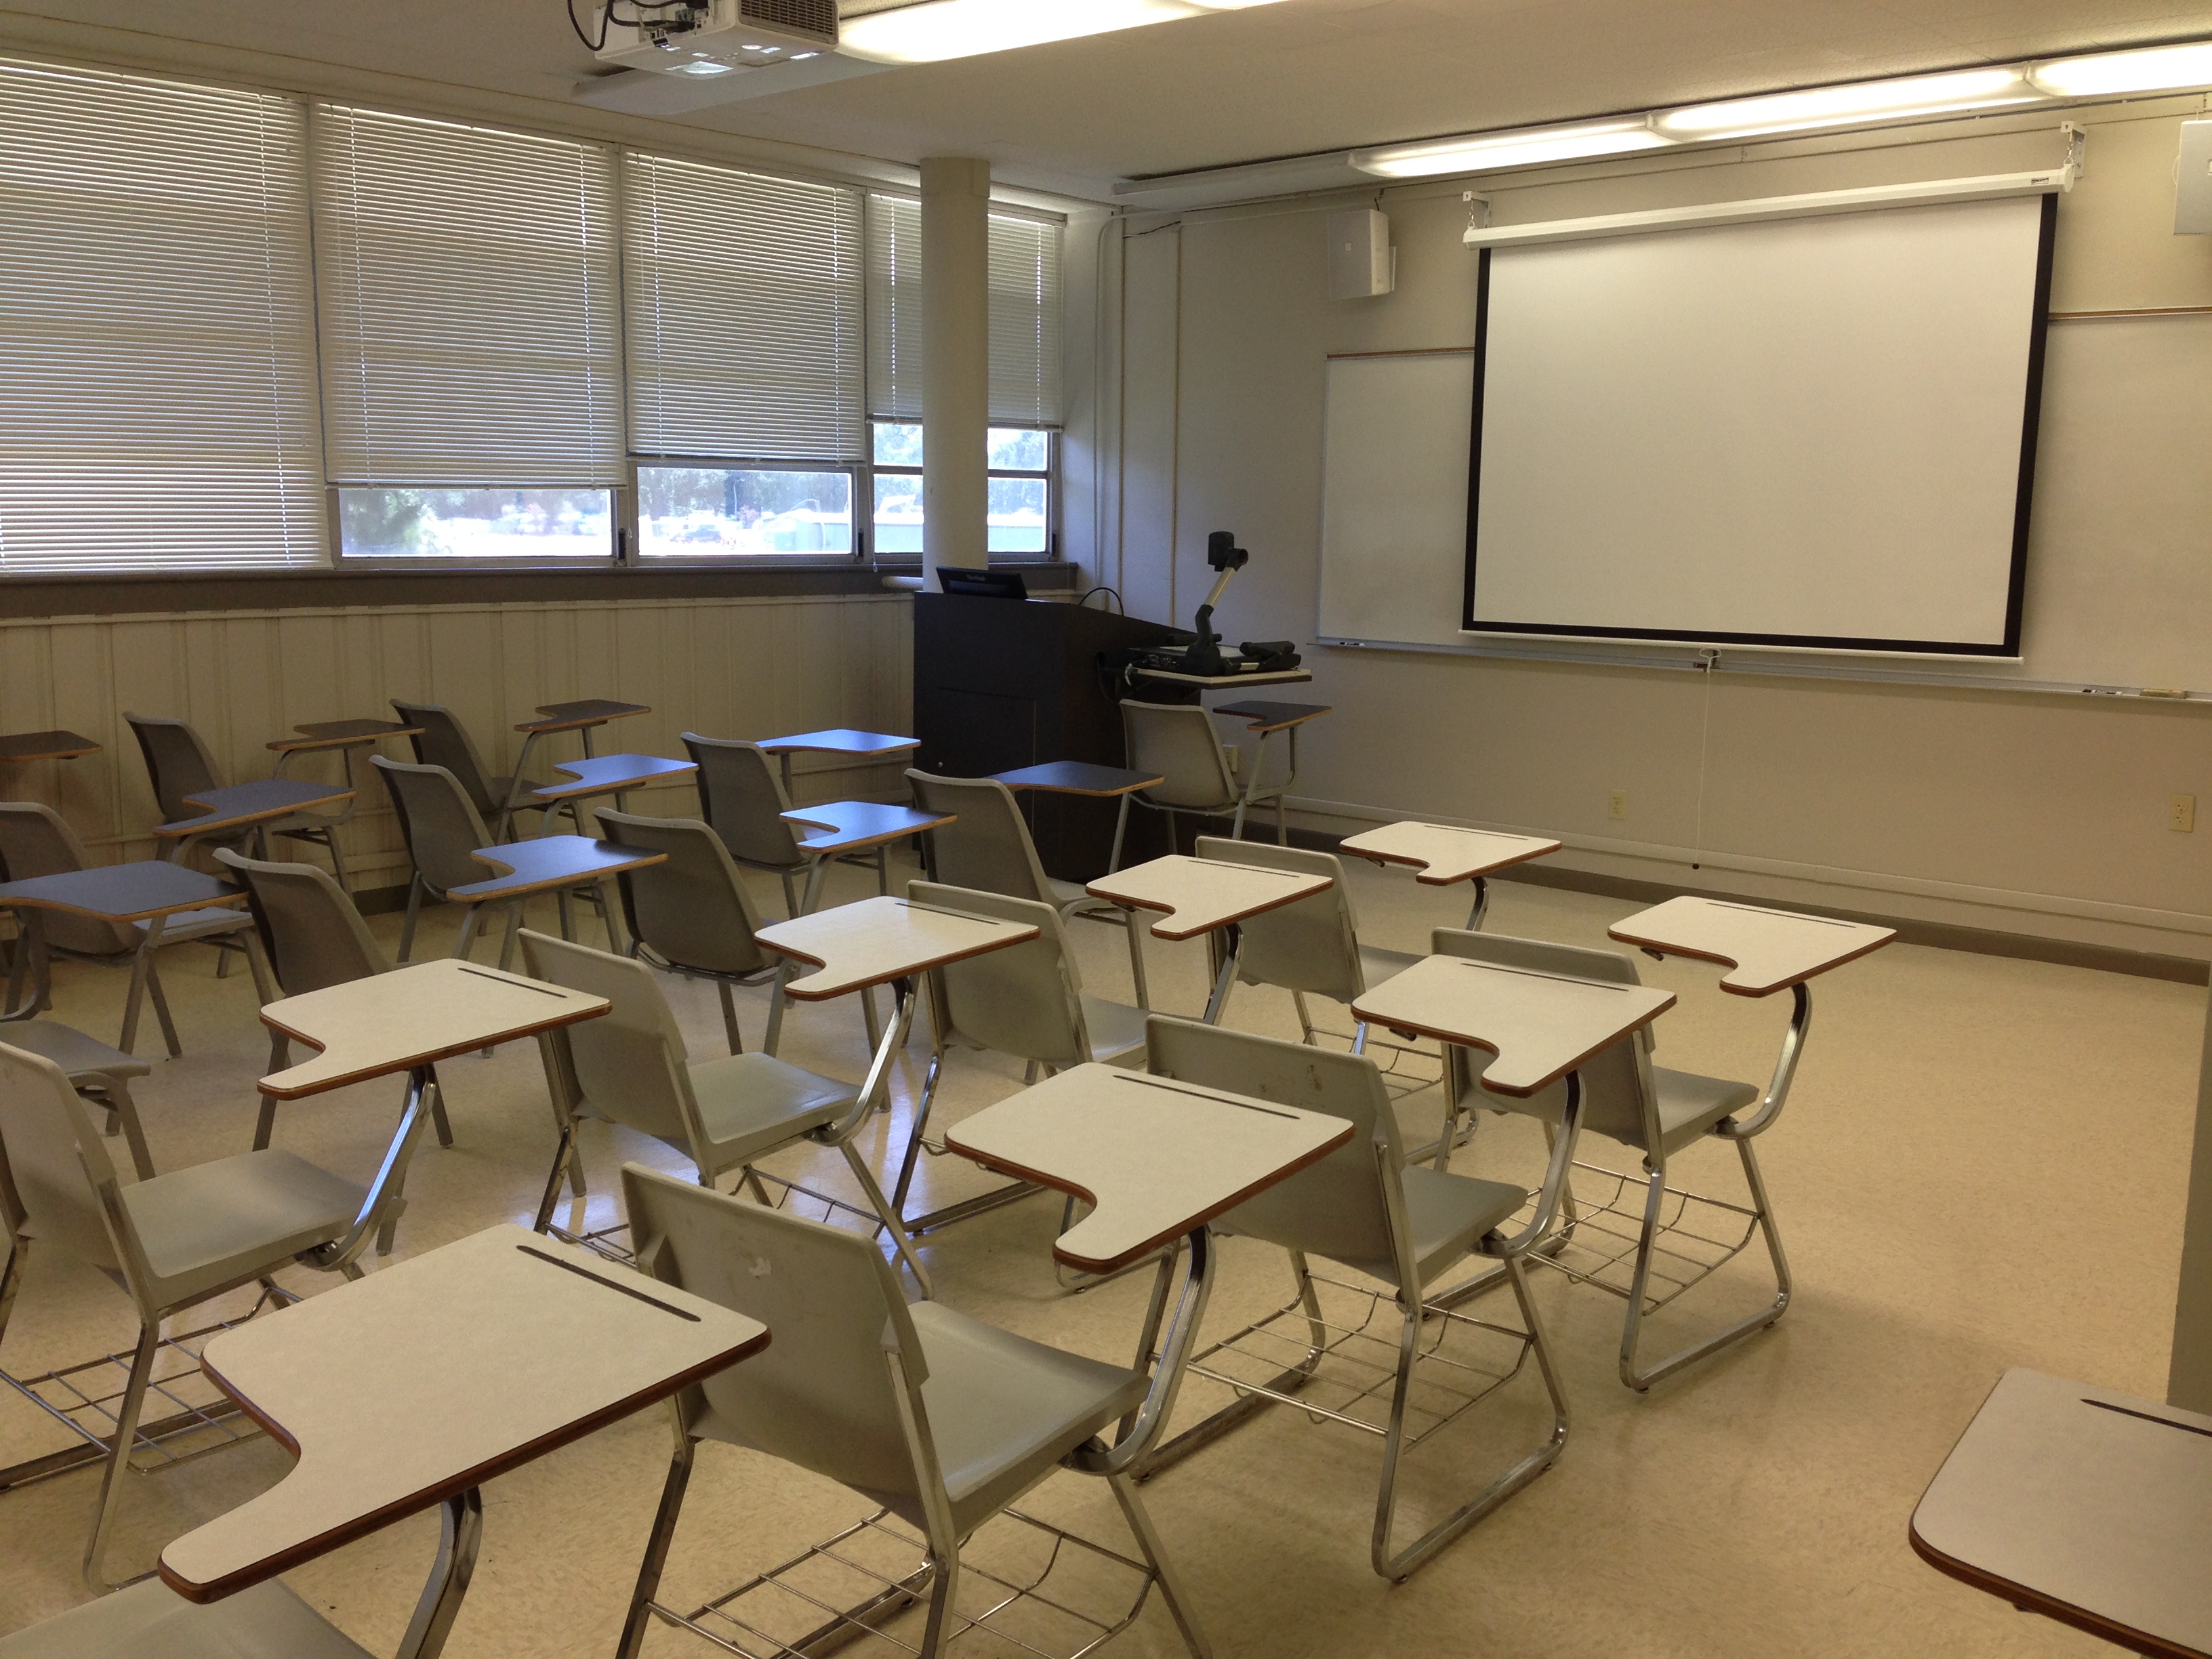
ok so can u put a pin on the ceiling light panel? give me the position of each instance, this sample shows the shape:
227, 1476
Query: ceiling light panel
1530, 147
1867, 100
940, 29
2156, 69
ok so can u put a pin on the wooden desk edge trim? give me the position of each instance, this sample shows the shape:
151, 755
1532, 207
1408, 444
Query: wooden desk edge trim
208, 820
1092, 794
1450, 1040
1109, 1264
1421, 867
1732, 965
575, 879
2032, 1600
322, 1544
1160, 932
1029, 931
323, 1086
220, 901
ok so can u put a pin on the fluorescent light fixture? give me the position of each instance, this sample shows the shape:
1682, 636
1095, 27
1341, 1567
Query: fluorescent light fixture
939, 29
1529, 147
2154, 69
703, 66
1867, 100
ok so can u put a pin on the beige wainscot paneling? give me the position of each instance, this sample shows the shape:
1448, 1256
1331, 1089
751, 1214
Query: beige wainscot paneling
727, 667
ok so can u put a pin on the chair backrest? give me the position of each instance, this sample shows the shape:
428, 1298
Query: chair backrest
989, 849
37, 841
692, 911
176, 764
1177, 741
1026, 1000
444, 741
1311, 945
741, 795
439, 823
314, 936
629, 1064
52, 1163
1340, 1207
823, 1394
1613, 1096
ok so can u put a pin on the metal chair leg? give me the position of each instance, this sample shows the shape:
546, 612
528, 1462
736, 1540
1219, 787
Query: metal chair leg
468, 932
890, 1217
729, 1016
460, 1531
1642, 1379
657, 1542
126, 1431
1171, 1587
124, 1112
774, 1017
414, 908
161, 1009
790, 896
1130, 920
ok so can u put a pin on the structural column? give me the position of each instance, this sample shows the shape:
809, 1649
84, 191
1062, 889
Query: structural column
2189, 1381
956, 315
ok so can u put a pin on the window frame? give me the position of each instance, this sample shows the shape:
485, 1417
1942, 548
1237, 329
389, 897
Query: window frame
1049, 473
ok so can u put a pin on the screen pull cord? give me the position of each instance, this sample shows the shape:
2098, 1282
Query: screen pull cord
1708, 659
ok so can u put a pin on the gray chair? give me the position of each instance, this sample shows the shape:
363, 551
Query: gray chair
692, 915
314, 938
442, 828
444, 741
943, 1421
1365, 1206
1178, 741
269, 1621
101, 1074
179, 764
1026, 1000
171, 1242
1655, 1112
988, 848
741, 795
629, 1066
36, 840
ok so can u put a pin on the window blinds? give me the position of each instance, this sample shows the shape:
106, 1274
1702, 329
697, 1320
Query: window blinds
1024, 315
467, 284
156, 332
744, 298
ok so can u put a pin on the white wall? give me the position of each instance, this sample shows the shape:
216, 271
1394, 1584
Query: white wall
2017, 812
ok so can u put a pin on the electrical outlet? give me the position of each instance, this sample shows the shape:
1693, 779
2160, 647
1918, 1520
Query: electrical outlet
2181, 813
1617, 807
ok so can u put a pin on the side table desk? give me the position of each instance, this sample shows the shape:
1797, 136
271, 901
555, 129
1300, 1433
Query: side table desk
835, 740
1205, 896
547, 864
243, 806
1441, 854
1085, 778
607, 774
839, 827
21, 746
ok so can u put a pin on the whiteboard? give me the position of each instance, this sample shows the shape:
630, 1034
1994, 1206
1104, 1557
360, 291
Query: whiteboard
1802, 432
2119, 559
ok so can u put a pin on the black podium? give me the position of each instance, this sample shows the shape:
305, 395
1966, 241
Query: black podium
999, 684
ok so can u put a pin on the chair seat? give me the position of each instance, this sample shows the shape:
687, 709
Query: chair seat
196, 924
1445, 1214
1117, 1030
750, 1104
501, 789
1005, 1410
77, 1054
1690, 1104
217, 1223
1377, 964
266, 1622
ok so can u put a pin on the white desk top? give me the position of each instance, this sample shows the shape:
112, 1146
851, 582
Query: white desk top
1200, 894
2097, 1514
604, 775
1539, 1025
881, 939
413, 1016
1157, 1156
1444, 854
432, 1376
843, 826
1765, 949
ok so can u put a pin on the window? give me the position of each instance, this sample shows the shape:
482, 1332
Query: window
471, 362
686, 512
1024, 315
1019, 505
159, 352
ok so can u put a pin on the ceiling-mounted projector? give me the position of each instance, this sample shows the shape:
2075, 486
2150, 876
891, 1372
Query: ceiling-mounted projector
707, 38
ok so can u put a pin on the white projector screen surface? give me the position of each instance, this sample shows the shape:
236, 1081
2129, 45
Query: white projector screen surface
1810, 433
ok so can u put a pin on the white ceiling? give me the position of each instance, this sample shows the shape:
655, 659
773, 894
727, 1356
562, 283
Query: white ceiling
1292, 78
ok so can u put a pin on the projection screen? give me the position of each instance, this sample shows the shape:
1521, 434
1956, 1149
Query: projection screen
1815, 433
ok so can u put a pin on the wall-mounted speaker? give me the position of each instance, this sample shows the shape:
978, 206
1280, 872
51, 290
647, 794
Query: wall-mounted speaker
2192, 181
1362, 263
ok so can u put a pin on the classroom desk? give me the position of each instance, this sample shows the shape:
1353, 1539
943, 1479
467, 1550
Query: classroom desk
835, 740
1441, 854
608, 775
1160, 1159
548, 864
1264, 719
416, 1385
46, 745
1085, 778
2082, 1504
150, 891
583, 718
839, 827
1205, 896
408, 1020
343, 735
243, 806
1222, 681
